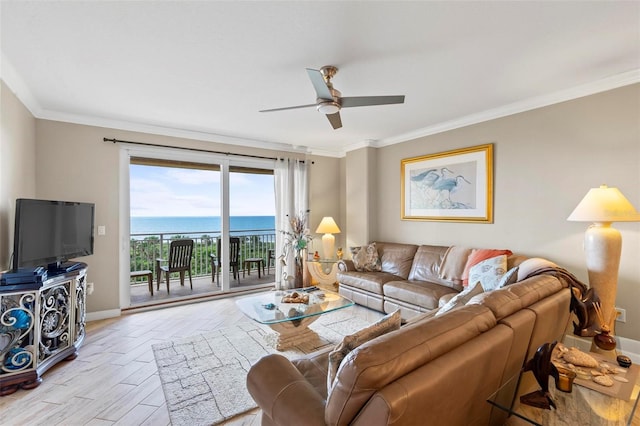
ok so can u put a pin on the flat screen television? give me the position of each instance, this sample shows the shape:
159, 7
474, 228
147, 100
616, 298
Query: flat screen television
51, 233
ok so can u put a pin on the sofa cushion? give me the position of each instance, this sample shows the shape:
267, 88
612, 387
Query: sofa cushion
452, 266
397, 258
369, 281
421, 293
477, 256
461, 298
489, 272
507, 300
426, 263
510, 277
366, 258
384, 325
314, 368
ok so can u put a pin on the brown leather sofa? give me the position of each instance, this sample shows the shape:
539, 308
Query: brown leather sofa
435, 370
414, 278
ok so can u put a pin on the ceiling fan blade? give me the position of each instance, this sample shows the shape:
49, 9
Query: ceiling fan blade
286, 108
335, 120
319, 84
357, 101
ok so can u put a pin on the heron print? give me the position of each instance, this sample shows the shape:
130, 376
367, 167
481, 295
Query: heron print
448, 187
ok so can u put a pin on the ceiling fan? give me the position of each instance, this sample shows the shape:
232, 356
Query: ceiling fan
329, 100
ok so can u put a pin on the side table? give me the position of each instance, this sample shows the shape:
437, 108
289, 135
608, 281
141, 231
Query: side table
583, 406
258, 261
323, 272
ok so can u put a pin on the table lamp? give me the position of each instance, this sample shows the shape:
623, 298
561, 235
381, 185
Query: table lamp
603, 243
328, 227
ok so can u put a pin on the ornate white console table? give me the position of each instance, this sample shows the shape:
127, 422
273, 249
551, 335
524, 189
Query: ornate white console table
323, 272
39, 327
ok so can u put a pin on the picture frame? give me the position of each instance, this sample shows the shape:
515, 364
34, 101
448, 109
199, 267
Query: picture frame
450, 186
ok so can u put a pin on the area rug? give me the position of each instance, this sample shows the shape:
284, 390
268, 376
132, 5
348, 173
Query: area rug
204, 376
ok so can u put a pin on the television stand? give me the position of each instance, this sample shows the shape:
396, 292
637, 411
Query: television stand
40, 327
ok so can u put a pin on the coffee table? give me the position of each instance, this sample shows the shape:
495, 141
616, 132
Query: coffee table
291, 320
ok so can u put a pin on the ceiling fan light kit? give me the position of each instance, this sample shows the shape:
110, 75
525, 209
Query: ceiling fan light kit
329, 100
328, 107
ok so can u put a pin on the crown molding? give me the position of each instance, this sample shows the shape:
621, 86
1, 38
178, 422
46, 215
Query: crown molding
609, 83
167, 131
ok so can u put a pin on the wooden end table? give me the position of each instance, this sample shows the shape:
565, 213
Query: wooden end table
258, 261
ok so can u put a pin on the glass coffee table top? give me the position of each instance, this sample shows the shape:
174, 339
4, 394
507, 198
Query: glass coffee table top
269, 308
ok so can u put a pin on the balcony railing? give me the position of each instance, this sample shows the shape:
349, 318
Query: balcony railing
146, 248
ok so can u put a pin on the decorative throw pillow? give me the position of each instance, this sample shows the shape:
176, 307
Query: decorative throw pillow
461, 298
384, 325
509, 278
489, 272
477, 256
366, 258
532, 265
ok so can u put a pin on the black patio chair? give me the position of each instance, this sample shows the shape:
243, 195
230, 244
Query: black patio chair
180, 252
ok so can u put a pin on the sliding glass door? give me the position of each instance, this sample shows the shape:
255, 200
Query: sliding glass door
227, 208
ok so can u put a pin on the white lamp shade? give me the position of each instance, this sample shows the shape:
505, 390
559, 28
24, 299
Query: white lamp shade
604, 204
328, 226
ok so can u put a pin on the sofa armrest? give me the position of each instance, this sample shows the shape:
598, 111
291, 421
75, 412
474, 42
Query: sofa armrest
346, 265
283, 394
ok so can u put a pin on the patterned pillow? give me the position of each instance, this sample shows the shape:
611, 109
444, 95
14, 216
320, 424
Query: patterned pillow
384, 325
366, 258
477, 256
461, 298
489, 272
509, 278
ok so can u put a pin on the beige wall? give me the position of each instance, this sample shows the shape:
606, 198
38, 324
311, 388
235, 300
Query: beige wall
17, 167
361, 195
545, 161
324, 197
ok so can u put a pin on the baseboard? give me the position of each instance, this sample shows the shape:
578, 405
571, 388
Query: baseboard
628, 347
100, 315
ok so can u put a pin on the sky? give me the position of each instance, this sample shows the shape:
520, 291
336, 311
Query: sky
169, 191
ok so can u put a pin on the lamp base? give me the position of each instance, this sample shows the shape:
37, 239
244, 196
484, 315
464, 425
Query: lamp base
328, 246
602, 247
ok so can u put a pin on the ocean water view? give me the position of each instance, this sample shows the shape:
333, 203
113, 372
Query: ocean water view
201, 225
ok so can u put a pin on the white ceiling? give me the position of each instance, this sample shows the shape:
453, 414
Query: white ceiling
204, 69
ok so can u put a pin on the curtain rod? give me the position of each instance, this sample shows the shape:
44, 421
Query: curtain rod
192, 149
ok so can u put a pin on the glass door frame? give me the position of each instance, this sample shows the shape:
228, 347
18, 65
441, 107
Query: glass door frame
176, 154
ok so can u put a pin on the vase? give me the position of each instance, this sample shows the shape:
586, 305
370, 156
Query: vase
604, 340
298, 281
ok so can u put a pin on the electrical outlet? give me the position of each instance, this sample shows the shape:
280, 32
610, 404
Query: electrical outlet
89, 288
622, 315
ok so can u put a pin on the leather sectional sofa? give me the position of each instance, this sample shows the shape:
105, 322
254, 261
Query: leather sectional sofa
414, 278
434, 370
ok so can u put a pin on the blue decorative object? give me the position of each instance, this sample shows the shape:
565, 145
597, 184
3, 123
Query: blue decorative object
17, 358
22, 319
269, 306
